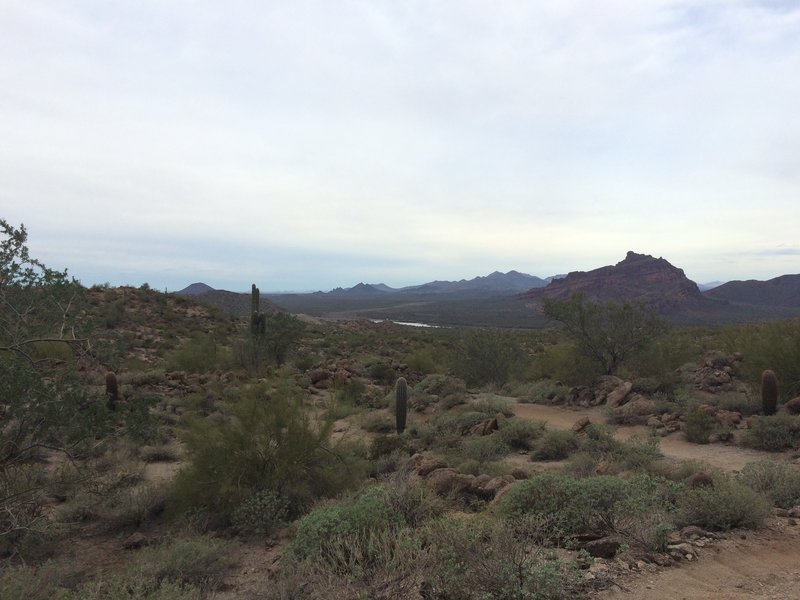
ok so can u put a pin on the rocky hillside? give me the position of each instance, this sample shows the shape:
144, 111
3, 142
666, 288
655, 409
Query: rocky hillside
233, 303
780, 291
639, 277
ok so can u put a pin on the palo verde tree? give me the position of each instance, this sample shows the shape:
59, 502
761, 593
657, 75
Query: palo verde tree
606, 333
40, 407
37, 304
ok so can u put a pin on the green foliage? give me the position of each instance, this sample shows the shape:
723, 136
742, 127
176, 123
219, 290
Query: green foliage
609, 333
725, 505
386, 444
519, 434
267, 442
261, 513
200, 354
769, 392
779, 481
401, 404
368, 512
482, 357
36, 303
700, 424
483, 558
483, 449
774, 345
555, 444
773, 433
283, 333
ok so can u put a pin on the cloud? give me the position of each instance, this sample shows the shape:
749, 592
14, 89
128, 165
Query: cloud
433, 137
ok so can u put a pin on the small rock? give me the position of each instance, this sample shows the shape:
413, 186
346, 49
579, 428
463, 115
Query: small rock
134, 541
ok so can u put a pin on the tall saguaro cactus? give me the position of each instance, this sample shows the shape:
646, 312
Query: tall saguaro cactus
401, 403
257, 320
769, 392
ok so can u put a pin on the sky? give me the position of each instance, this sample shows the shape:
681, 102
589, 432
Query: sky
309, 144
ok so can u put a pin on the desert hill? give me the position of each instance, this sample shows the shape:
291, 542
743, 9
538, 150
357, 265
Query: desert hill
783, 291
234, 303
639, 278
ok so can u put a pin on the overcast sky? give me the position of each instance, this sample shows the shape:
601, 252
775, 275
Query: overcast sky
310, 144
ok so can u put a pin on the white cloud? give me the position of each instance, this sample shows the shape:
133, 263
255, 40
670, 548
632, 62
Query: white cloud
429, 137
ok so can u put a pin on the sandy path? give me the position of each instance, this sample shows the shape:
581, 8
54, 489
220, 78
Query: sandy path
766, 564
726, 457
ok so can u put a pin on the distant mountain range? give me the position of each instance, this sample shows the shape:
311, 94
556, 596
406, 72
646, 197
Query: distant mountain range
496, 282
512, 299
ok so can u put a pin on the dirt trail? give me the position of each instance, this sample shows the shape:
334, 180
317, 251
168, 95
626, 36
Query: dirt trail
728, 458
766, 564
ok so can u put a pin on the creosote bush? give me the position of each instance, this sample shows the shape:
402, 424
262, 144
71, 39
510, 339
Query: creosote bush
725, 505
779, 481
773, 433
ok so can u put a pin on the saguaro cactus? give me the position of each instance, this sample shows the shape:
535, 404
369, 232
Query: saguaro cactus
112, 391
769, 392
401, 403
257, 320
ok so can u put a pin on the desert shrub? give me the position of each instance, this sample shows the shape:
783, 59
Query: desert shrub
125, 588
261, 513
382, 373
773, 433
563, 362
413, 501
699, 426
639, 509
353, 520
519, 434
556, 444
779, 481
151, 377
571, 505
725, 505
544, 391
199, 560
200, 354
484, 449
386, 444
738, 403
268, 441
482, 357
131, 506
423, 360
490, 405
482, 558
450, 390
774, 345
377, 422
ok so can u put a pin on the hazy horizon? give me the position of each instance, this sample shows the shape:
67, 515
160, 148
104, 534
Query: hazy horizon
308, 145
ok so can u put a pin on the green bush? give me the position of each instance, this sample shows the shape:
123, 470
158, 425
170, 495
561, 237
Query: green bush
386, 444
268, 441
556, 444
200, 354
484, 449
779, 481
725, 505
699, 426
369, 512
490, 405
261, 513
773, 433
519, 434
482, 558
482, 357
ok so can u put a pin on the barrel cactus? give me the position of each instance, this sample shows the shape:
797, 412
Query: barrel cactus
401, 403
769, 392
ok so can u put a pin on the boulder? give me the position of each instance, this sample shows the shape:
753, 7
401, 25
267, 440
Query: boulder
638, 406
581, 424
792, 406
618, 396
606, 547
134, 541
449, 482
319, 375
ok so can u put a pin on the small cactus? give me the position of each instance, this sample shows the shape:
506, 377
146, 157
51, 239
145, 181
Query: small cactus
769, 392
112, 391
401, 403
